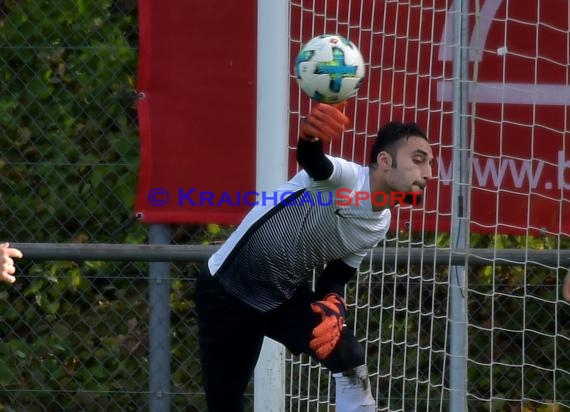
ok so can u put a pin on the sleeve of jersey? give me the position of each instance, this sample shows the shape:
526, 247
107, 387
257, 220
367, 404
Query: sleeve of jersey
354, 260
344, 175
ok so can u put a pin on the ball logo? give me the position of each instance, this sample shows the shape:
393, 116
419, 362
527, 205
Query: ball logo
329, 69
337, 69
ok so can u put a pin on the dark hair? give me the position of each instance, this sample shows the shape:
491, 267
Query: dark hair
390, 137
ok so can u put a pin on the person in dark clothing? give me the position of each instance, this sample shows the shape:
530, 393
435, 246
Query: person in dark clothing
257, 283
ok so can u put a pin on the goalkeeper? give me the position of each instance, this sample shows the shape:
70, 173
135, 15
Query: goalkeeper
257, 284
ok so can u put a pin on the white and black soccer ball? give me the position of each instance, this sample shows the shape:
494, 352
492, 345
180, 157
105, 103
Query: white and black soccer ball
329, 68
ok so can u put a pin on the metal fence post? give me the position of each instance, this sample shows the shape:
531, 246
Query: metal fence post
159, 326
460, 211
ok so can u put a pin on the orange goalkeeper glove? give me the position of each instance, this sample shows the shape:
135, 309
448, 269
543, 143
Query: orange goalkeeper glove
327, 334
324, 122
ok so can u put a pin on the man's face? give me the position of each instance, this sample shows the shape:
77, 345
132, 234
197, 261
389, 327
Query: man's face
414, 159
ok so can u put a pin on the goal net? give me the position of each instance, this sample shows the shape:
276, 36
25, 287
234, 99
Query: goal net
508, 104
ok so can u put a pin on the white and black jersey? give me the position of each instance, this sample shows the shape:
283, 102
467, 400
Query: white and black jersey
302, 225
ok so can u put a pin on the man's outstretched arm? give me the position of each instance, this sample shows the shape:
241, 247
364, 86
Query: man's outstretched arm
324, 123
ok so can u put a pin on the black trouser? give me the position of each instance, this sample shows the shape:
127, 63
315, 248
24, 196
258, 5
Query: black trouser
231, 334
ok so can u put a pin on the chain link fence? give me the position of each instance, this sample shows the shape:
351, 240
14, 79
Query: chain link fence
69, 132
75, 333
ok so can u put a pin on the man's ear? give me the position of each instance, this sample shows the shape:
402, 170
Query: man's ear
384, 160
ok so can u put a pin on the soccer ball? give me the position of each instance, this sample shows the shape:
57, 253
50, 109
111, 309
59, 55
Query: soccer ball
329, 68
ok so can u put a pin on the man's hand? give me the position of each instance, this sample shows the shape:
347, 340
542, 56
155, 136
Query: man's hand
7, 268
327, 334
325, 122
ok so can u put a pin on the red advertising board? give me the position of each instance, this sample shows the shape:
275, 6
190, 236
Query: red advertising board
518, 99
518, 103
520, 139
197, 88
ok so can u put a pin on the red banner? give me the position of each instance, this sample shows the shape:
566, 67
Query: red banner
518, 100
197, 116
521, 152
197, 88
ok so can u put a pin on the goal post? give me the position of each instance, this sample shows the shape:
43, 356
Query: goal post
272, 137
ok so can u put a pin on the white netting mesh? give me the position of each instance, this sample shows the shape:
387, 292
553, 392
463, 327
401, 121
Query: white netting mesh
517, 122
